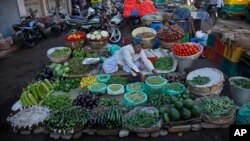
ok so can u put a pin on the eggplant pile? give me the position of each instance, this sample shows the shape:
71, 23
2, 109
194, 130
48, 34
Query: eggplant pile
88, 101
47, 73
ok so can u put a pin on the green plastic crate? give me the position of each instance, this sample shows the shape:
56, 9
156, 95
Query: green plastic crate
185, 38
229, 68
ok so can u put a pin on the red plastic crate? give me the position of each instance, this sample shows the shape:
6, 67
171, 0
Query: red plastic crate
209, 53
217, 59
219, 46
126, 40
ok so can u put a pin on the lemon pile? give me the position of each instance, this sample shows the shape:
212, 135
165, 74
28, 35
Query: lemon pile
87, 81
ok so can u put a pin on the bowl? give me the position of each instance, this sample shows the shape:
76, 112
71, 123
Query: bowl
191, 57
60, 59
148, 42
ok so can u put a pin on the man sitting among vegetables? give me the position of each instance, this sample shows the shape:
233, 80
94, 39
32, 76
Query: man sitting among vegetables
130, 58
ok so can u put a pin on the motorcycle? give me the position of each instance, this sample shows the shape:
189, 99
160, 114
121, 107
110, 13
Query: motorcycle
96, 19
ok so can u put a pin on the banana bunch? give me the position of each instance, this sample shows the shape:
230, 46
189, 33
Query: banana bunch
79, 53
87, 81
36, 92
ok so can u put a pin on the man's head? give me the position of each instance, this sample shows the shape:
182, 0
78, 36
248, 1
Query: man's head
137, 44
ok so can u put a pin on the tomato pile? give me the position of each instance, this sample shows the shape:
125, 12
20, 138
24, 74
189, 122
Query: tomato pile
75, 36
185, 49
170, 33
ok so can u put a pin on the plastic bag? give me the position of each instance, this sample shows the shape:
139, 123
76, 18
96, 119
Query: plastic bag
151, 89
103, 78
98, 88
115, 92
130, 104
137, 86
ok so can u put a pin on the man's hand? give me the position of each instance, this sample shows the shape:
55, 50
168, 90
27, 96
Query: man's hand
155, 72
141, 76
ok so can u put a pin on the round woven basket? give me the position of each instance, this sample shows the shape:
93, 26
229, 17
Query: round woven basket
73, 44
215, 89
148, 42
98, 44
168, 45
60, 59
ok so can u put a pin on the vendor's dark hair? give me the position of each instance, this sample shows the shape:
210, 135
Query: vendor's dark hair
137, 41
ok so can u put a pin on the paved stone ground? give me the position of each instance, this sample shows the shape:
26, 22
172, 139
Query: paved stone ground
20, 68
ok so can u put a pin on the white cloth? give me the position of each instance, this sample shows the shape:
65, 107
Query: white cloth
128, 59
127, 56
220, 4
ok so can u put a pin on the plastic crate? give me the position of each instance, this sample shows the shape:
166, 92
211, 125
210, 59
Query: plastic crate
234, 53
185, 38
209, 53
217, 59
244, 68
211, 40
219, 46
228, 67
127, 40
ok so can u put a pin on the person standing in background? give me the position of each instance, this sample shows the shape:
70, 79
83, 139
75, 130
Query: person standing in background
220, 4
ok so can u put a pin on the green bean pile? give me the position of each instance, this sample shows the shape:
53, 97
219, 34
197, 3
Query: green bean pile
164, 63
243, 83
200, 80
142, 120
68, 118
115, 87
216, 107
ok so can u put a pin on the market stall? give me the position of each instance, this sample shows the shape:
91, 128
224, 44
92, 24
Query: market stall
73, 96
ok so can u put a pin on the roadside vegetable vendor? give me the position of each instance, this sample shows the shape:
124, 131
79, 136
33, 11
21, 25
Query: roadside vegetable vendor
130, 58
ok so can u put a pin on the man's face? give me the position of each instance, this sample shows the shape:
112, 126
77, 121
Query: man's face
138, 48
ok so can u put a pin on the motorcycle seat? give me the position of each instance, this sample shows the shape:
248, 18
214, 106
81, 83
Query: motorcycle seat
78, 18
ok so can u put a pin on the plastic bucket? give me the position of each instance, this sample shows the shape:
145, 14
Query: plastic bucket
239, 95
183, 64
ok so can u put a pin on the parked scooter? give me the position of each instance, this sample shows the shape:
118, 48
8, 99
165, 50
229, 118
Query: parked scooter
96, 19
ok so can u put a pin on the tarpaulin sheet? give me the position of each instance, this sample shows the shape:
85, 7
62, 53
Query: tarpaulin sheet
146, 7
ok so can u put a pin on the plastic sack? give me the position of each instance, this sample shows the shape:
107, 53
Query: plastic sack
94, 88
151, 89
103, 78
113, 48
116, 92
110, 65
130, 104
152, 110
173, 92
243, 115
137, 86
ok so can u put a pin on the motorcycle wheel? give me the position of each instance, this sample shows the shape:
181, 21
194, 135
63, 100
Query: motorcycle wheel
115, 34
29, 39
56, 31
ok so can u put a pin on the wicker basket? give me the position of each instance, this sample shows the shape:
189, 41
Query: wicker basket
98, 44
73, 44
60, 59
215, 89
168, 45
148, 42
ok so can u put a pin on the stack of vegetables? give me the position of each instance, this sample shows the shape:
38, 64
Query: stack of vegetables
98, 35
170, 33
35, 92
65, 85
60, 69
164, 64
186, 49
182, 108
66, 119
57, 102
88, 81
